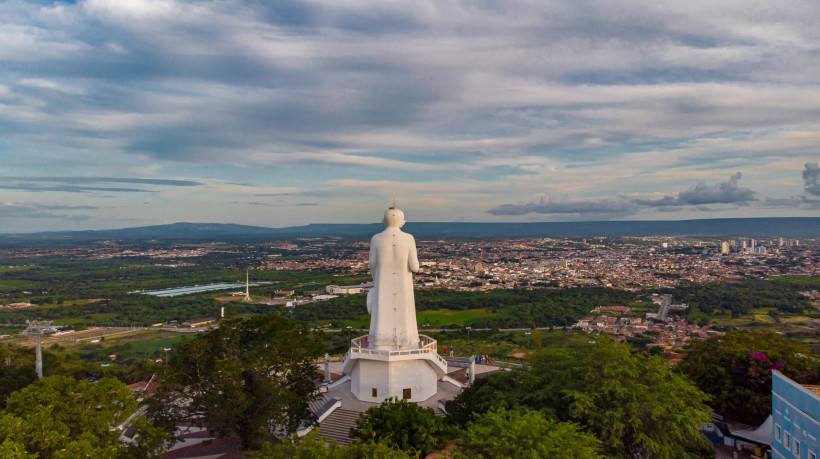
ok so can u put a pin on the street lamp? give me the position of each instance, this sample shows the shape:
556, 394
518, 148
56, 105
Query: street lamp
468, 332
349, 328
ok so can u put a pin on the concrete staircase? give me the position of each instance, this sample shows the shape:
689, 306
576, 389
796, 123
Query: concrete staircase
316, 404
338, 424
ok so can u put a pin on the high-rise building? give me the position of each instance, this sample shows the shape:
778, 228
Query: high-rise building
724, 248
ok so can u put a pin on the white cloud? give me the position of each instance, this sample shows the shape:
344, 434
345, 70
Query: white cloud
728, 192
606, 99
586, 208
42, 83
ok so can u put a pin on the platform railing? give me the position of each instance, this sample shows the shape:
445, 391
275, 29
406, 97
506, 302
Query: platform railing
359, 342
428, 346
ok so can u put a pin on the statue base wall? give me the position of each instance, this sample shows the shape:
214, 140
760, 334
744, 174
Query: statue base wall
377, 375
376, 381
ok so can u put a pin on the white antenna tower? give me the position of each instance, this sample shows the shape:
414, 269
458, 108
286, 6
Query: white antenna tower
247, 288
37, 326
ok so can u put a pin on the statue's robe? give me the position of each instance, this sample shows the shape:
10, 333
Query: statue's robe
390, 302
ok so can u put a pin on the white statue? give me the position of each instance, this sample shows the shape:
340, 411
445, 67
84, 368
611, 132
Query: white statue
393, 260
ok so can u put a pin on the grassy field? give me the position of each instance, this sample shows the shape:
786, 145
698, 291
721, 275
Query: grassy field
761, 319
65, 303
91, 319
155, 345
501, 345
498, 349
11, 330
443, 318
126, 345
10, 285
363, 322
798, 280
762, 315
141, 336
6, 269
795, 318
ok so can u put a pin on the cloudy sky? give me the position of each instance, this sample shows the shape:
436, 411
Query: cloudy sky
117, 113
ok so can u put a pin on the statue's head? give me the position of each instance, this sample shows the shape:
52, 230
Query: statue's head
393, 218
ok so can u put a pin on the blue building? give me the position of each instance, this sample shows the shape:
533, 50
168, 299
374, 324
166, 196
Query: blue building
796, 419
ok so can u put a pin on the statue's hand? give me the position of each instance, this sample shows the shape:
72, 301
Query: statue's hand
369, 302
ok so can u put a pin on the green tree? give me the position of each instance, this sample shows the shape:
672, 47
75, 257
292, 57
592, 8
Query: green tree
501, 434
635, 405
408, 426
736, 370
250, 377
502, 389
12, 450
13, 378
62, 418
16, 370
536, 339
312, 446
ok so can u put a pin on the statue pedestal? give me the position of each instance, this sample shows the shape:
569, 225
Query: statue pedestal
378, 374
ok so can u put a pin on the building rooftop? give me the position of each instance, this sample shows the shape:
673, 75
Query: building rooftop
814, 389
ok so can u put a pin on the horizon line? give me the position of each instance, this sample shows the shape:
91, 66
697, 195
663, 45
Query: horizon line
4, 233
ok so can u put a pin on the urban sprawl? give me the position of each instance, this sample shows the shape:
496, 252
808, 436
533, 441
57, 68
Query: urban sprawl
628, 263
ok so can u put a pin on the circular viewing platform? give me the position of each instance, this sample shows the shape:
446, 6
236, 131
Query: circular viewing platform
428, 350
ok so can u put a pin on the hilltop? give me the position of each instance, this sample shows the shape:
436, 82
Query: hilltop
721, 227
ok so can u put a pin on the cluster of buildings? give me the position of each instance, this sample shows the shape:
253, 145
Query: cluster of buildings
169, 253
668, 331
671, 335
474, 264
44, 252
753, 246
315, 254
105, 251
624, 267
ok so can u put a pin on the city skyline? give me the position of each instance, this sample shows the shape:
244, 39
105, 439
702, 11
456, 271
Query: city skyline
135, 112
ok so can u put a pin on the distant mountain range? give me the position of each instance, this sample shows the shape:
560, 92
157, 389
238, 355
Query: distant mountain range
722, 227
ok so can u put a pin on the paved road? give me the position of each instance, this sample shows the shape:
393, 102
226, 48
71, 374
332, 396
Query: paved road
446, 330
332, 330
95, 333
129, 327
